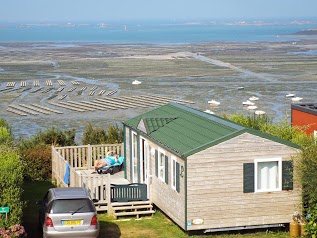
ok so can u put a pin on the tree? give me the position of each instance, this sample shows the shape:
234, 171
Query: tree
98, 135
93, 135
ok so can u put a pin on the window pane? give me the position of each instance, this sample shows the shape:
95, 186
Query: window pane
72, 205
135, 145
134, 157
174, 173
161, 166
161, 159
268, 175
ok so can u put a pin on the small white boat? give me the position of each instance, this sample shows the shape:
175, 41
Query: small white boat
248, 103
208, 111
240, 88
252, 107
213, 103
297, 99
253, 98
259, 112
136, 82
290, 95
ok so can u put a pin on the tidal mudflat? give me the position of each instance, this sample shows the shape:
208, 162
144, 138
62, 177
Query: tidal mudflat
230, 73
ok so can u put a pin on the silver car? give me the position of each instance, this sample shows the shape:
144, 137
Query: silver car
68, 212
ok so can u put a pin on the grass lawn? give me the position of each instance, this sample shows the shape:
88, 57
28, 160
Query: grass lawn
159, 226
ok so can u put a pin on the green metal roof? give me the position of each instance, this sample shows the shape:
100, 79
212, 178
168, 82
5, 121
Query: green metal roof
185, 131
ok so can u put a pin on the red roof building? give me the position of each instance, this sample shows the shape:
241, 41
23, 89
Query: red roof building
305, 114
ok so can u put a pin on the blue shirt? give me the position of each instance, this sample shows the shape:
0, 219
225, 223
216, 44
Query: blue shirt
109, 160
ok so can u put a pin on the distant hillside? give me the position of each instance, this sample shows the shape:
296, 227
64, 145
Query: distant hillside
307, 32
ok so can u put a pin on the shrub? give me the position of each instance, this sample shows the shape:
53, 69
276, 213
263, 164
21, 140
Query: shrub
3, 123
13, 231
253, 121
51, 136
11, 180
37, 162
5, 135
5, 132
281, 129
36, 152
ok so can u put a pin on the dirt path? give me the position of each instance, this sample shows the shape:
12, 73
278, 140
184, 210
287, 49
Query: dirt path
230, 66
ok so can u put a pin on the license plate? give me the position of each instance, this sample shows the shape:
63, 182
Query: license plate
72, 223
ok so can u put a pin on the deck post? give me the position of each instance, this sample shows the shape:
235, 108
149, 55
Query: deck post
89, 157
108, 194
53, 164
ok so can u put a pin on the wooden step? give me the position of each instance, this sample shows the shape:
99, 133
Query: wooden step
102, 209
101, 206
104, 203
132, 207
136, 213
114, 204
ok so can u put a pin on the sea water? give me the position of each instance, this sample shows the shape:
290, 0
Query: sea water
151, 33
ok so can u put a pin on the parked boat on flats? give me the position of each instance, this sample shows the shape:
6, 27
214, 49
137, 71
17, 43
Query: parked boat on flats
213, 103
208, 111
136, 82
290, 95
297, 99
248, 103
253, 98
259, 112
252, 107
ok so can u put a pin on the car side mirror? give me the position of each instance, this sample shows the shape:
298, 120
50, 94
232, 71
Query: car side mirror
40, 203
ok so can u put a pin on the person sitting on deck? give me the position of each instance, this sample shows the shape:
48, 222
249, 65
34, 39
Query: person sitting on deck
111, 159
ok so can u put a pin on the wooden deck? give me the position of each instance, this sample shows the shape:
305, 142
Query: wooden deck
72, 166
116, 178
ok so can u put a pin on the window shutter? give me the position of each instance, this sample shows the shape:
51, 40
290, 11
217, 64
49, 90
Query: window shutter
177, 177
287, 175
156, 163
248, 178
166, 169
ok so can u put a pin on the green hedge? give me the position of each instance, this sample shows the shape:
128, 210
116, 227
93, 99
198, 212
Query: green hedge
11, 180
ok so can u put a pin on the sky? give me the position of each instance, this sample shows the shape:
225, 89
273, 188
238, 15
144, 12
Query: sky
113, 10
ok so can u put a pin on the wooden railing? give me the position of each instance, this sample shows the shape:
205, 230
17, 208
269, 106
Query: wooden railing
71, 159
85, 155
128, 192
74, 158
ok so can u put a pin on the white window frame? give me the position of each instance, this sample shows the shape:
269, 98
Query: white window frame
161, 158
173, 172
279, 169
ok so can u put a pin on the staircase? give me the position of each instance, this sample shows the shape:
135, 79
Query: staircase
133, 208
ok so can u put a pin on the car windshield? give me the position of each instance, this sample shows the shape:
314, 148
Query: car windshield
72, 206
